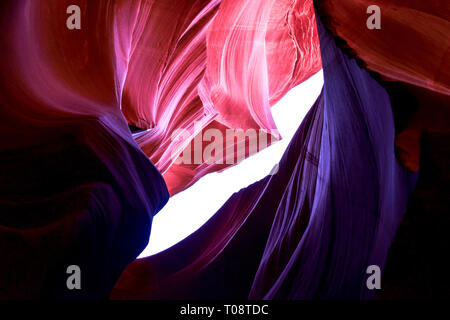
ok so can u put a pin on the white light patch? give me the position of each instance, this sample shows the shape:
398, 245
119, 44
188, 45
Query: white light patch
188, 210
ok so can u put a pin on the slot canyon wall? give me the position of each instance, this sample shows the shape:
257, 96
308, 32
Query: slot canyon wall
90, 123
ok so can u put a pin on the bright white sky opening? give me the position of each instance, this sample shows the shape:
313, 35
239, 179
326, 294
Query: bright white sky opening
187, 211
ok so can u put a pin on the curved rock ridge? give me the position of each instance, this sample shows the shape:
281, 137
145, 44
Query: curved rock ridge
77, 186
411, 45
410, 53
311, 230
221, 66
190, 65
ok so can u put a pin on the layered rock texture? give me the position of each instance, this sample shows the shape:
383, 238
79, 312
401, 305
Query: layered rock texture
92, 119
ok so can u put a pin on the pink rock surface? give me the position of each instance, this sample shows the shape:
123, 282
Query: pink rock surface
164, 65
